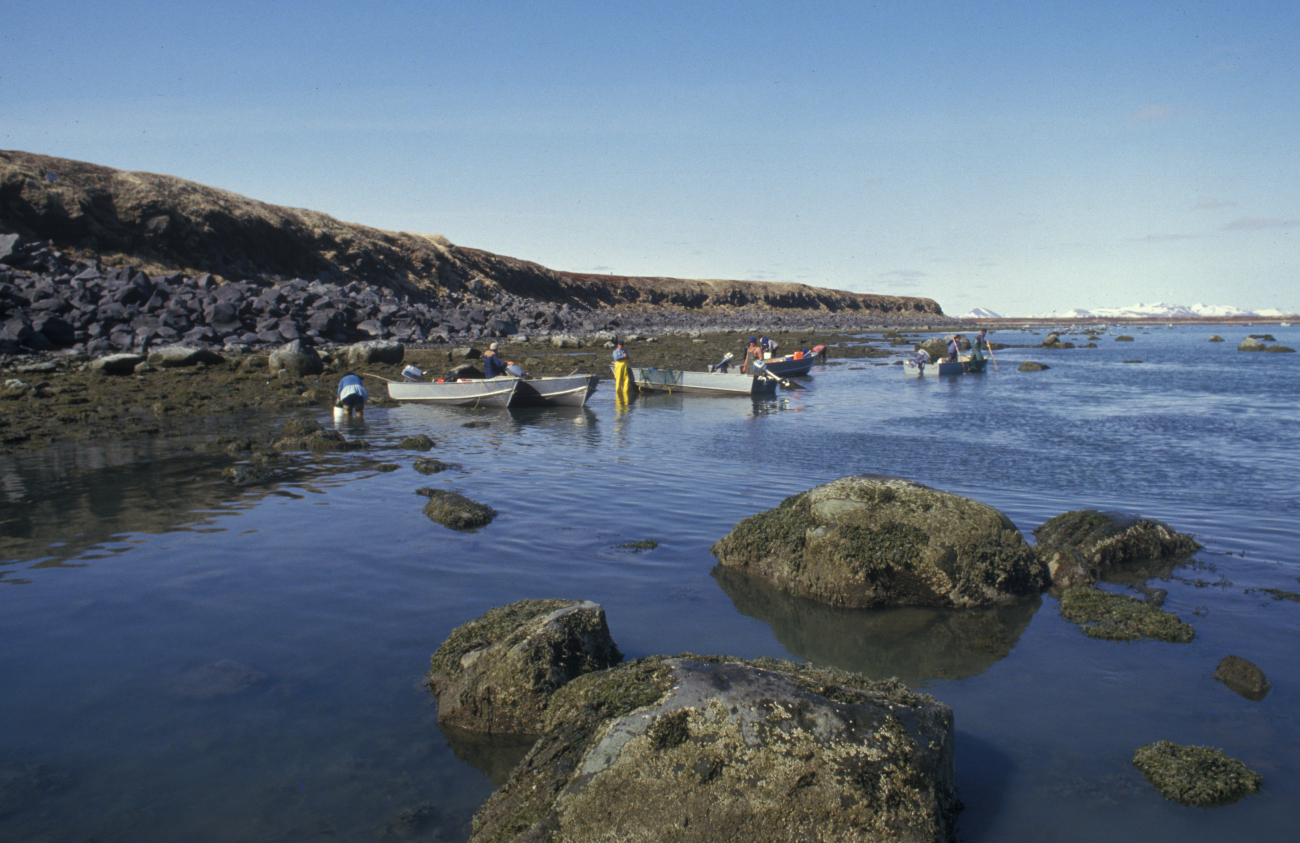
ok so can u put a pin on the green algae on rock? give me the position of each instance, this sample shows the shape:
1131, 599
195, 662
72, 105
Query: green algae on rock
1197, 776
872, 540
455, 510
696, 748
1119, 617
496, 674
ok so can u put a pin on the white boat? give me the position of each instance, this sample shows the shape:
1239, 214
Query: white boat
704, 383
494, 392
567, 391
963, 366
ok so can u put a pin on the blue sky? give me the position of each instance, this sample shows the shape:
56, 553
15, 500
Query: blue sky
1025, 157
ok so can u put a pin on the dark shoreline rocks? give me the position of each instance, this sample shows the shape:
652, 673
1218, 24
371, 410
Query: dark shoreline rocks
496, 674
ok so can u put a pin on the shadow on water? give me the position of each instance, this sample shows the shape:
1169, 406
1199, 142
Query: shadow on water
495, 756
911, 643
984, 773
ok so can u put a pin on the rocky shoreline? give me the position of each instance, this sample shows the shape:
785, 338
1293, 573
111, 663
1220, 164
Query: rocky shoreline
59, 315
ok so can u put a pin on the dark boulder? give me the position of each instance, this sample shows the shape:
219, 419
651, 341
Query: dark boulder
1031, 366
1095, 542
497, 673
699, 749
1244, 677
872, 540
456, 511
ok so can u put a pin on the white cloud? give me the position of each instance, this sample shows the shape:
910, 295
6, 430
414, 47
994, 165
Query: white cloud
1259, 224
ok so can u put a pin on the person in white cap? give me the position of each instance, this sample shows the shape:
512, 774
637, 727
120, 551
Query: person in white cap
493, 365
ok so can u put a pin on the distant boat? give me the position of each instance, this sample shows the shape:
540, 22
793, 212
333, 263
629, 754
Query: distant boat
757, 382
964, 366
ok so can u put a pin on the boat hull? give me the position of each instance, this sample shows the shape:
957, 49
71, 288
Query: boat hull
569, 391
702, 383
789, 368
495, 393
963, 366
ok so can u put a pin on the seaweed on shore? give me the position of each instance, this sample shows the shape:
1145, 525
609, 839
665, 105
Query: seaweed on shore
1118, 617
1197, 776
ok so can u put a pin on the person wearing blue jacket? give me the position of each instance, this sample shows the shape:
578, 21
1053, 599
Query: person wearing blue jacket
352, 395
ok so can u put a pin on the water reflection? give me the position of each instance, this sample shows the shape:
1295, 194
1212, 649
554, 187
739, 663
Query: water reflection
69, 499
911, 643
495, 756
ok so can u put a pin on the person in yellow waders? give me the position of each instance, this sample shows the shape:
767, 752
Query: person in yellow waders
622, 371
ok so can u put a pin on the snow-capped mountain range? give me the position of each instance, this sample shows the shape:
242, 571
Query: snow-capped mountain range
1159, 310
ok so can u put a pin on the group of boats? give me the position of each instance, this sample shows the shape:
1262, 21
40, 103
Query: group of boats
499, 393
761, 378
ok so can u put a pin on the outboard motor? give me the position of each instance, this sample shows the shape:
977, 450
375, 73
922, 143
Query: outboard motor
412, 374
514, 370
721, 366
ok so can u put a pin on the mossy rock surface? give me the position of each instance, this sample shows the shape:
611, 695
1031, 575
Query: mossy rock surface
706, 749
872, 540
1198, 776
457, 511
319, 442
1119, 617
496, 674
419, 442
1104, 540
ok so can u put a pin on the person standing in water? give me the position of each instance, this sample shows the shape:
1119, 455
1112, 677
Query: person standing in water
622, 370
352, 395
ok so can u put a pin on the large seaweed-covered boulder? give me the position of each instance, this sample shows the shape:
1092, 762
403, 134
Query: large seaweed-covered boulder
296, 358
372, 352
497, 673
705, 749
1079, 547
872, 540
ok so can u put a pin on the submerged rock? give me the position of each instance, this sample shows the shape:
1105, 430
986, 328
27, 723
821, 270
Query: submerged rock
497, 673
1216, 338
433, 466
706, 749
1251, 344
1198, 776
1282, 349
219, 679
1119, 617
1031, 366
456, 511
872, 540
419, 442
1244, 677
1123, 338
1079, 547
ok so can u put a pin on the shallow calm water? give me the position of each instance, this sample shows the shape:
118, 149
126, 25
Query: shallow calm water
180, 659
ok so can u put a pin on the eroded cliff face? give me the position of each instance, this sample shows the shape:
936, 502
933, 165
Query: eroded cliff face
165, 224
